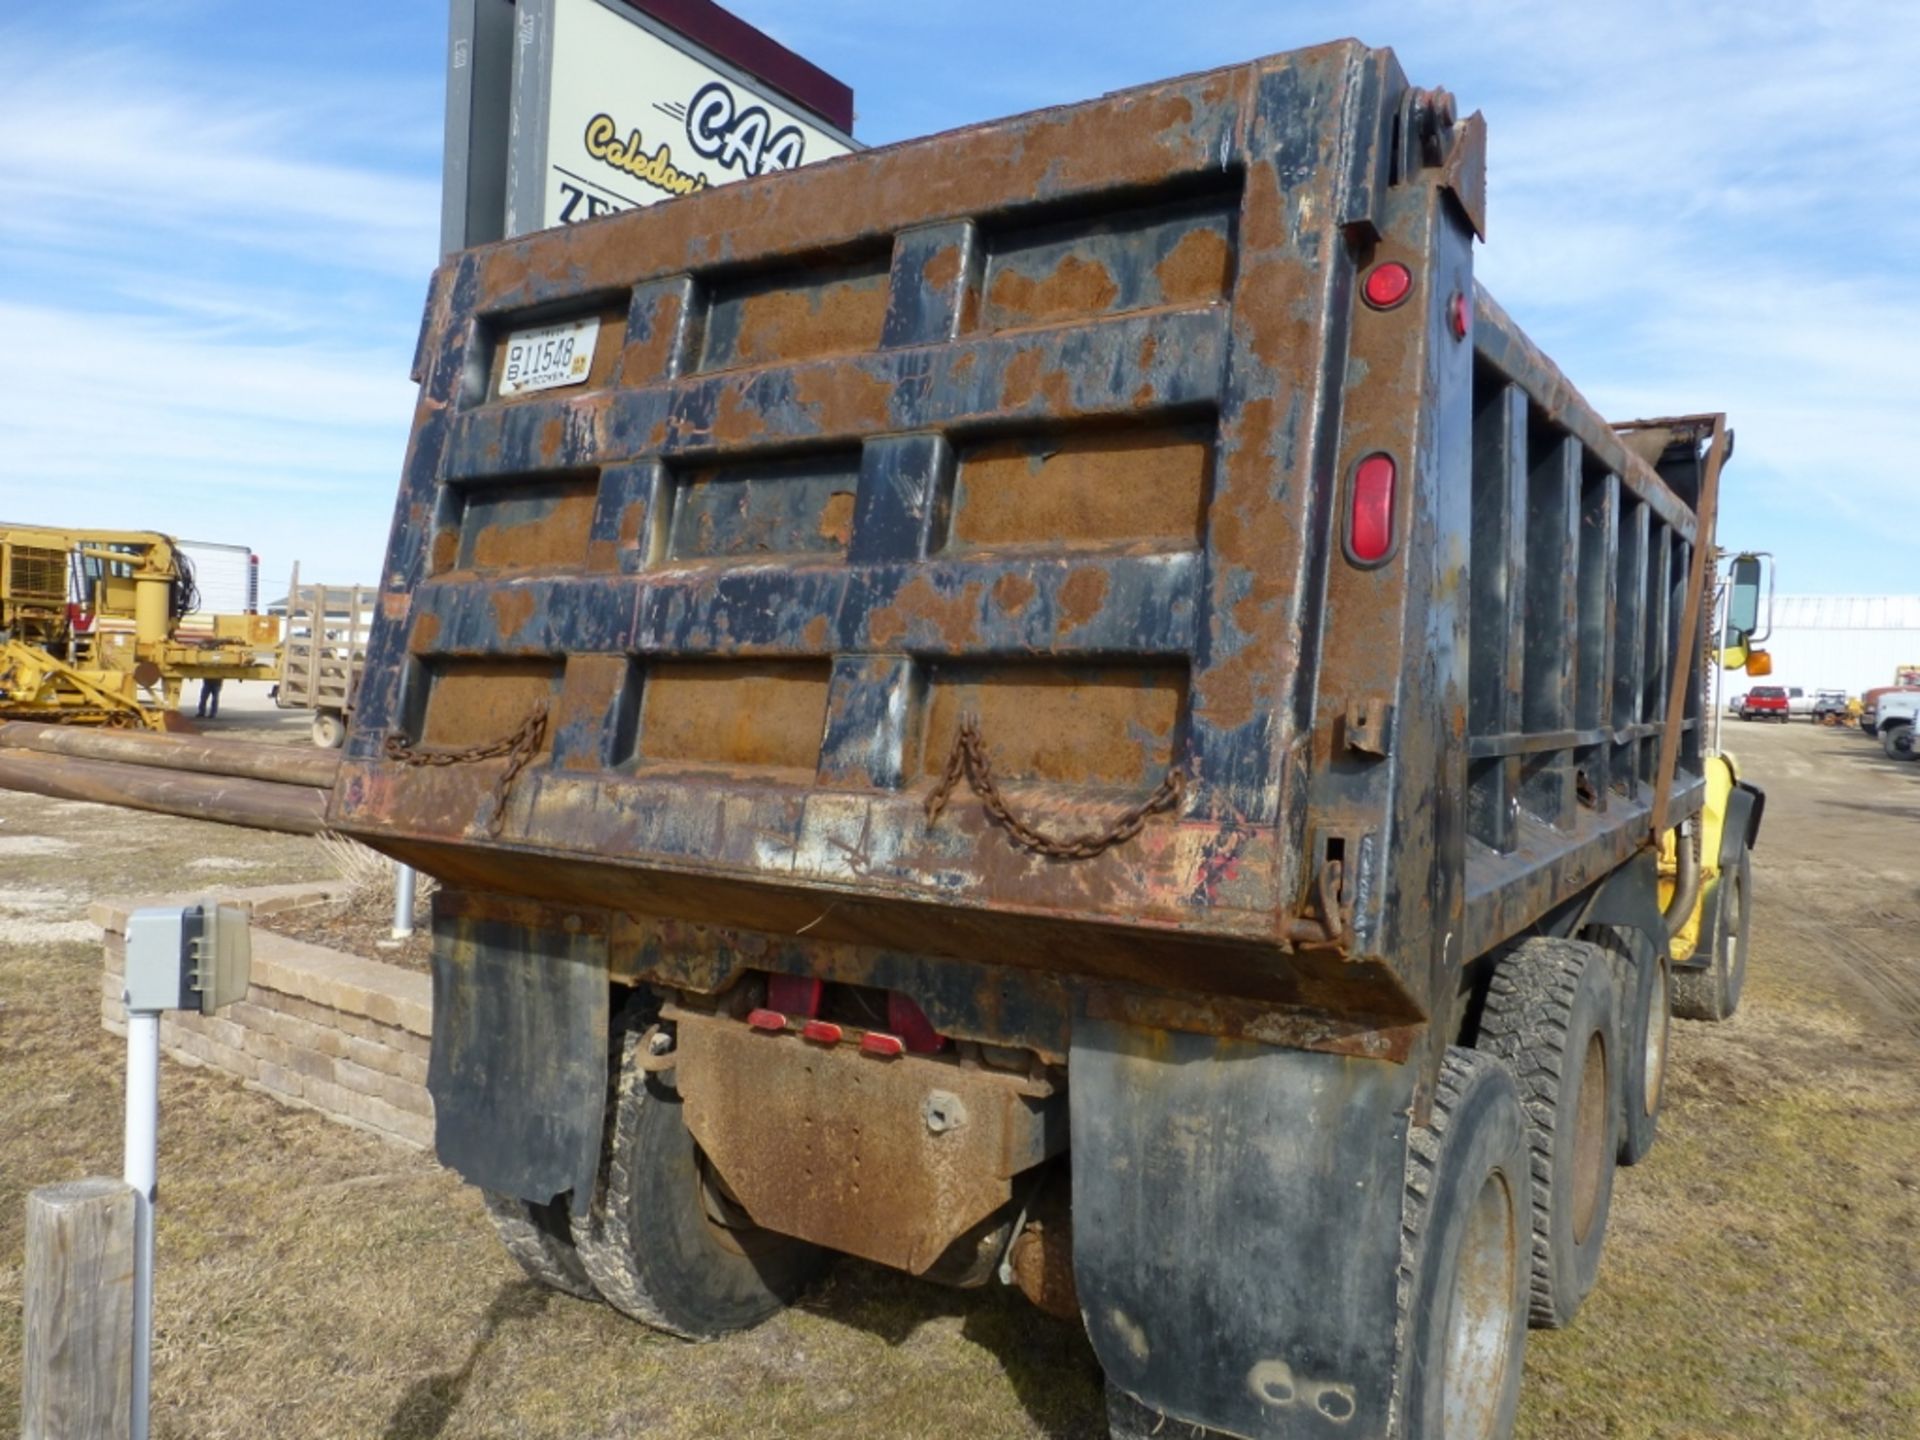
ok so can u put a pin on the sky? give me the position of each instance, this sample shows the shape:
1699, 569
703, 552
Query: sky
218, 219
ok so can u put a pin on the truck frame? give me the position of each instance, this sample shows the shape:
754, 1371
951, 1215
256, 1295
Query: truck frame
1068, 703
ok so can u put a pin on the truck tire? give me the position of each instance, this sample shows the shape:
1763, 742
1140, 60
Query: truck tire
658, 1243
1463, 1257
1646, 998
1551, 1017
1712, 992
329, 729
1897, 742
538, 1239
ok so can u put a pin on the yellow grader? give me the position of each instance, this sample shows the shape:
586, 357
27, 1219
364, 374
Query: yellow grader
92, 629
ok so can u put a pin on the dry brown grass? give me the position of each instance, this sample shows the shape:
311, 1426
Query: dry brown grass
1760, 1279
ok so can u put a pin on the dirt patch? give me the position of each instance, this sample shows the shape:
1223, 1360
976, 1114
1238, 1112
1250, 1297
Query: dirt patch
362, 925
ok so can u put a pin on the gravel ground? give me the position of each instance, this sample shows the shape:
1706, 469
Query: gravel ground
315, 1282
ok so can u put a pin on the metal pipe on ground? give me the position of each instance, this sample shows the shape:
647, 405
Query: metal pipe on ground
280, 764
230, 800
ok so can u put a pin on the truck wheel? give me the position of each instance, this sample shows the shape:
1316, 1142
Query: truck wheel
1897, 742
662, 1243
1713, 991
1646, 1020
536, 1236
329, 729
1550, 1016
1463, 1256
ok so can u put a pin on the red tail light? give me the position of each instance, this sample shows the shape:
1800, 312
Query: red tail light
823, 1031
1387, 285
878, 1042
794, 995
909, 1022
1370, 523
766, 1020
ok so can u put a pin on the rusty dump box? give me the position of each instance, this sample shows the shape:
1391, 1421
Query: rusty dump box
1052, 424
1107, 597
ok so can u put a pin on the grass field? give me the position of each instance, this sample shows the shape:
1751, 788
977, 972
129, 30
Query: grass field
1762, 1276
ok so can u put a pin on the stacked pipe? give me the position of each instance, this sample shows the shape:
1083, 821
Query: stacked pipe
260, 786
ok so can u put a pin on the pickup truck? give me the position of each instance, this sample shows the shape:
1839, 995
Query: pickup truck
1870, 704
1829, 707
1766, 702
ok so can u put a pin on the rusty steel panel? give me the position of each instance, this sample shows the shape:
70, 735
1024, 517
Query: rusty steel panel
891, 1159
1039, 432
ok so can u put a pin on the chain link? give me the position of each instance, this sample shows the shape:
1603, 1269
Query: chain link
969, 758
520, 747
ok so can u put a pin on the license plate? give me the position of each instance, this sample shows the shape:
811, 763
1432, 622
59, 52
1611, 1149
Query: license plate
549, 356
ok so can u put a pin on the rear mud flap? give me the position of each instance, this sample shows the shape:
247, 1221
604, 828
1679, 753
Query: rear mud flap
1236, 1220
518, 1073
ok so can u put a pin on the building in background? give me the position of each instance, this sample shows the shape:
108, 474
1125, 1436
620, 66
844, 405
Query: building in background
1843, 642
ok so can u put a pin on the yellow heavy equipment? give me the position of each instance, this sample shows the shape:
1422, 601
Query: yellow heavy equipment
92, 628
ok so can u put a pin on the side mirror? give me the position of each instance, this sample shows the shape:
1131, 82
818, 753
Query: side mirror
1743, 602
1759, 662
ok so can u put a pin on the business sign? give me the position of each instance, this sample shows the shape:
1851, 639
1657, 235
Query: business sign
614, 109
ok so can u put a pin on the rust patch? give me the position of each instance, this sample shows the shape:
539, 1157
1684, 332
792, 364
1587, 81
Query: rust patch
836, 518
814, 637
528, 525
1196, 269
798, 321
587, 695
1075, 724
512, 608
1074, 287
446, 545
1012, 592
954, 618
474, 702
1081, 597
1084, 488
942, 268
735, 712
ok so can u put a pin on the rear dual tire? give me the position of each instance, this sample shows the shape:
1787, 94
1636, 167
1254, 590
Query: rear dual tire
662, 1243
1552, 1017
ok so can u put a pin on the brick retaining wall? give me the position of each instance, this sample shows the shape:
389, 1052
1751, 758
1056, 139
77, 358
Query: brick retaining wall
319, 1028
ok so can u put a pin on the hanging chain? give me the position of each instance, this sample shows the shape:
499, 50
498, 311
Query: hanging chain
969, 758
520, 747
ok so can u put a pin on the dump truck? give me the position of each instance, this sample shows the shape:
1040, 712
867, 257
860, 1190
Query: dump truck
323, 654
1068, 705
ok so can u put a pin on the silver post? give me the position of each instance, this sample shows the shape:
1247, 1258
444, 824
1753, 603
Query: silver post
403, 888
143, 1133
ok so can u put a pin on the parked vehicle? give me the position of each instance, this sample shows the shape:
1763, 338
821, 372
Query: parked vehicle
325, 652
1765, 702
1799, 701
1067, 704
1894, 723
1870, 705
1735, 702
1830, 707
985, 678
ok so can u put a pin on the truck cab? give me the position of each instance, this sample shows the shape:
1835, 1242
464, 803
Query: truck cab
1766, 702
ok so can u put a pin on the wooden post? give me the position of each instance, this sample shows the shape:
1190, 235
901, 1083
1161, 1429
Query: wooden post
78, 1355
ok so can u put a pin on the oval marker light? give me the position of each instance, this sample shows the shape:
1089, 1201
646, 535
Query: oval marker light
1370, 524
